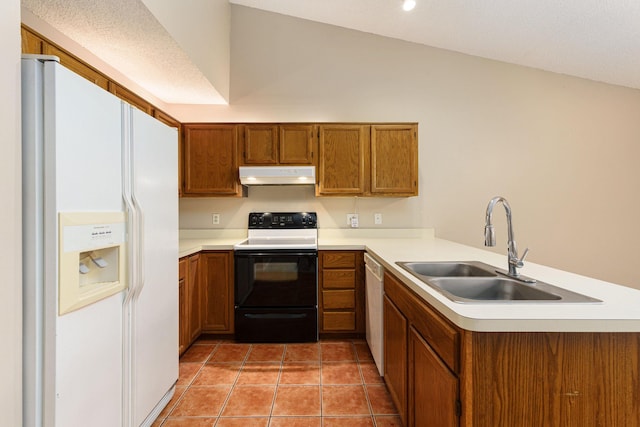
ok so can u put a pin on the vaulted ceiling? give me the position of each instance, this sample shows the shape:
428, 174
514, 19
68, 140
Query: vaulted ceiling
157, 47
593, 39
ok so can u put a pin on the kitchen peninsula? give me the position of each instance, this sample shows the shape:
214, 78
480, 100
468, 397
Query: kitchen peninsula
493, 363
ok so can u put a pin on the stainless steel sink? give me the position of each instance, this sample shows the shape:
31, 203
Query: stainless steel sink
448, 269
476, 282
492, 289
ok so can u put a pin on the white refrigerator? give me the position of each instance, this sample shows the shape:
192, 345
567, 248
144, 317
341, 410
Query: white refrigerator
100, 251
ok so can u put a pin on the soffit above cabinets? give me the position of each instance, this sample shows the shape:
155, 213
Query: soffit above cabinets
178, 53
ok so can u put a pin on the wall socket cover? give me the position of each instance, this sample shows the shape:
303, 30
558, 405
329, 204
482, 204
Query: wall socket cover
352, 220
215, 218
377, 218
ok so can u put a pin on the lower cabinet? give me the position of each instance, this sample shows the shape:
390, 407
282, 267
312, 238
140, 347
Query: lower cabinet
205, 284
341, 292
217, 273
420, 358
183, 310
189, 301
194, 293
441, 375
395, 356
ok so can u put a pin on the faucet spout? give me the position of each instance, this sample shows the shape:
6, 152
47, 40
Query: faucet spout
490, 235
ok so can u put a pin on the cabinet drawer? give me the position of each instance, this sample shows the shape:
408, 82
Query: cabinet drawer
338, 259
339, 321
338, 299
338, 279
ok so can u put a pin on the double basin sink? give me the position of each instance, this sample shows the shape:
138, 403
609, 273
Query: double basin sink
476, 282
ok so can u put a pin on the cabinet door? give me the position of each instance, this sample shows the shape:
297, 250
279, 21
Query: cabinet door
218, 288
433, 389
195, 298
395, 357
183, 312
394, 160
297, 145
260, 145
31, 43
343, 160
210, 160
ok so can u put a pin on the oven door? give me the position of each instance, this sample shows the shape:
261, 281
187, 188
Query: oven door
277, 278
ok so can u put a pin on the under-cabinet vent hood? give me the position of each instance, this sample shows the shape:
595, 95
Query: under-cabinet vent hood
277, 175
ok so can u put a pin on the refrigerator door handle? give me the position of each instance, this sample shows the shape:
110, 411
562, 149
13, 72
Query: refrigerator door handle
139, 259
130, 207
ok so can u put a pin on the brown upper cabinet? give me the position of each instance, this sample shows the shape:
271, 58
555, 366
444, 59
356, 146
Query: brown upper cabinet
277, 144
394, 160
368, 160
209, 153
343, 159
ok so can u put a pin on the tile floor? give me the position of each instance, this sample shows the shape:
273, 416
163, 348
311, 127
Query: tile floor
325, 384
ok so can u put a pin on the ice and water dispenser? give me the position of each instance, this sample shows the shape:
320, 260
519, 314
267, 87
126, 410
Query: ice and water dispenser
92, 258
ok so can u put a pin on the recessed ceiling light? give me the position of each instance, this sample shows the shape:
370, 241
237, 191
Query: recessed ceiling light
408, 5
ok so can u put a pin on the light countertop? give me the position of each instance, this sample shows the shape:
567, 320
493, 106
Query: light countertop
619, 311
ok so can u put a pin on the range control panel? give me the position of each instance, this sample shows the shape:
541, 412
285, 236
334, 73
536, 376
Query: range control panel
282, 220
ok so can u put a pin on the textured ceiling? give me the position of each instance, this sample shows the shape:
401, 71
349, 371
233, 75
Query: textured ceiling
594, 39
126, 35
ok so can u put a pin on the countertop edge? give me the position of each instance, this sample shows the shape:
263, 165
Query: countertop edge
382, 249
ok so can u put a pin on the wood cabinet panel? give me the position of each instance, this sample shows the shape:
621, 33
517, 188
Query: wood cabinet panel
297, 144
183, 310
31, 42
395, 356
218, 288
194, 298
343, 159
260, 144
433, 389
210, 160
339, 321
339, 279
338, 259
567, 379
394, 160
339, 299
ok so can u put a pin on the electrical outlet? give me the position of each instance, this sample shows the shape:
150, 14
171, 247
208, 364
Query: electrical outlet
352, 220
377, 218
215, 218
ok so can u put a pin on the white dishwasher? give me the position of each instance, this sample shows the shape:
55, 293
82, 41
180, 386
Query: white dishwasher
373, 307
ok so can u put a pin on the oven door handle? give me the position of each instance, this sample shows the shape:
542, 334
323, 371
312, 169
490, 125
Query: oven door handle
276, 316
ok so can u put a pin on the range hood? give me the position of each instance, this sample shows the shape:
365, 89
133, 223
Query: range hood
278, 175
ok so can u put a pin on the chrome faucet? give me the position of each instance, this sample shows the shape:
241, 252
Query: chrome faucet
490, 238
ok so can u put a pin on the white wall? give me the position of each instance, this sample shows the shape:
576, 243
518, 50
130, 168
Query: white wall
202, 30
10, 214
562, 150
